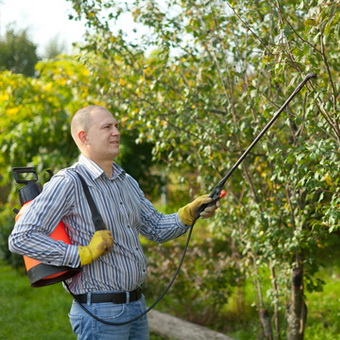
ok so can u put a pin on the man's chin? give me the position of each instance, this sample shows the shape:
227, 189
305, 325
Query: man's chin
116, 153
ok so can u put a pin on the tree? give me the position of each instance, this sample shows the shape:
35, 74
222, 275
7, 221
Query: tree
34, 116
54, 48
17, 52
221, 70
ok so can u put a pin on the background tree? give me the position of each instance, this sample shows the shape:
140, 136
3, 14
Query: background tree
221, 71
36, 115
18, 52
54, 48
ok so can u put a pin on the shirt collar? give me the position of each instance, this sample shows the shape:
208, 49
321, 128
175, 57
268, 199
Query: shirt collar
96, 171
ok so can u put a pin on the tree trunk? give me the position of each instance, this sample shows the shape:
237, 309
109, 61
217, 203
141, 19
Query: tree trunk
266, 324
276, 298
263, 312
297, 309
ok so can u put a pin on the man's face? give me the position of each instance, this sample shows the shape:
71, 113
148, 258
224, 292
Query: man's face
102, 137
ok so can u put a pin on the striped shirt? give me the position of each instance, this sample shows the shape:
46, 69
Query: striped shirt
125, 211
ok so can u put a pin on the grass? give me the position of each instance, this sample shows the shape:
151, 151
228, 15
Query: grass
34, 313
324, 307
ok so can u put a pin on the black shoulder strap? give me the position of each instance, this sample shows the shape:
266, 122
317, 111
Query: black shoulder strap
96, 217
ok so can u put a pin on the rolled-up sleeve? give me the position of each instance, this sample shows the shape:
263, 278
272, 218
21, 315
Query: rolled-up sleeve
159, 227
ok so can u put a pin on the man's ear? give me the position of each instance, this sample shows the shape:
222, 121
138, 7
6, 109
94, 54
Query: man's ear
82, 137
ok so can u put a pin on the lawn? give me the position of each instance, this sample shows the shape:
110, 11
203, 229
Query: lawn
33, 313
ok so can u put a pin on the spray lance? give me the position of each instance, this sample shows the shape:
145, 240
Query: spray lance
218, 191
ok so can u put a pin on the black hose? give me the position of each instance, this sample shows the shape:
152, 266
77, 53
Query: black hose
155, 302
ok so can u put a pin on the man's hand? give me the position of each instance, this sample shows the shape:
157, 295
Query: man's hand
100, 244
188, 213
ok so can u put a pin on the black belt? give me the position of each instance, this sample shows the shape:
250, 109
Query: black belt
118, 298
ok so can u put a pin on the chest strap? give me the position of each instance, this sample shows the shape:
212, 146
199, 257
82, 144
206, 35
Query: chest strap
96, 217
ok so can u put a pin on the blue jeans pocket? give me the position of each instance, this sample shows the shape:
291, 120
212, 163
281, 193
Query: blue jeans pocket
108, 311
114, 313
76, 323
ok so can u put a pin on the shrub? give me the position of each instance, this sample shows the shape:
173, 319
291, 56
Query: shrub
204, 284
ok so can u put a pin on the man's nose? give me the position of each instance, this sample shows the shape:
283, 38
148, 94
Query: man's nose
115, 131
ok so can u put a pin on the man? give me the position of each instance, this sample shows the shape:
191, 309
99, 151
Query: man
112, 260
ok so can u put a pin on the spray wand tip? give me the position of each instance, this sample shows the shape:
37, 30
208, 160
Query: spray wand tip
223, 193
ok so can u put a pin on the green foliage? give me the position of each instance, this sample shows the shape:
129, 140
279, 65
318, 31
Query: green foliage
35, 128
7, 222
37, 112
136, 159
17, 52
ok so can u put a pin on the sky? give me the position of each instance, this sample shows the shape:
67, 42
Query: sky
45, 20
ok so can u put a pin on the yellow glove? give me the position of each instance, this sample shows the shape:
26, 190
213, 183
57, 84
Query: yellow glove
188, 213
100, 244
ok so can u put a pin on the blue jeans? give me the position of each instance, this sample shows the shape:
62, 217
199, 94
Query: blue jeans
87, 328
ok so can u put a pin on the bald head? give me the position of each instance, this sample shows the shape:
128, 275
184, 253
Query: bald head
82, 119
95, 131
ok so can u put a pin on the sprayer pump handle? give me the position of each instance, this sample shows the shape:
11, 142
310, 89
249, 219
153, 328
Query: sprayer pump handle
24, 170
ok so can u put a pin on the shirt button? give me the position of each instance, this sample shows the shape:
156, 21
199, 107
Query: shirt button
121, 202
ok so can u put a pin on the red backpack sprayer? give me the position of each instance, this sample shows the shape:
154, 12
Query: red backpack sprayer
46, 276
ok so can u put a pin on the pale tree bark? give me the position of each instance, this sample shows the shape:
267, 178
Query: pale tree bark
267, 332
276, 305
